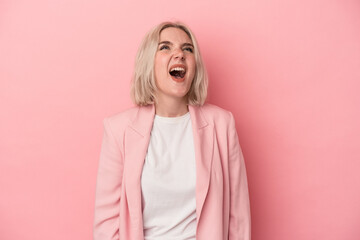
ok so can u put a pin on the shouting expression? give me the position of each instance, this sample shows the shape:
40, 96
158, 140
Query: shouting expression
174, 64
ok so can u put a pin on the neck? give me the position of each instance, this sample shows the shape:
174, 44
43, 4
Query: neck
171, 107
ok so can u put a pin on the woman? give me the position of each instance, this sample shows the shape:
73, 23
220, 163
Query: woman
171, 167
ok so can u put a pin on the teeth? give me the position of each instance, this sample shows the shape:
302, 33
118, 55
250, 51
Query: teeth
177, 69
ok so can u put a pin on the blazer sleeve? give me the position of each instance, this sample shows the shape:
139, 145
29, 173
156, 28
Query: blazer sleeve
240, 222
108, 187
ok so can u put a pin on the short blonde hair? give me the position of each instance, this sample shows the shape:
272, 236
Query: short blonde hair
143, 86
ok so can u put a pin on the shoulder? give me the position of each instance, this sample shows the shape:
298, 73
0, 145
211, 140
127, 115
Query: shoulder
121, 120
216, 114
125, 115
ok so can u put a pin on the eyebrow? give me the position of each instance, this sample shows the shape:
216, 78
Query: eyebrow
170, 43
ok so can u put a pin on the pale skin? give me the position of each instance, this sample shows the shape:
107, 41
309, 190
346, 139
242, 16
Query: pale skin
175, 48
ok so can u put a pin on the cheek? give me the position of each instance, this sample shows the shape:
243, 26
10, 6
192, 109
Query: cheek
161, 60
157, 62
192, 61
159, 66
193, 68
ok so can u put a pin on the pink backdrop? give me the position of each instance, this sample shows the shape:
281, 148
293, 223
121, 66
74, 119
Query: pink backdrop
288, 70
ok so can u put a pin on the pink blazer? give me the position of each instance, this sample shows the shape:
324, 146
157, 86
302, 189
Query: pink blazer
222, 198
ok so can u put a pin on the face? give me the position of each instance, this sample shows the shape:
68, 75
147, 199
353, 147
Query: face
174, 64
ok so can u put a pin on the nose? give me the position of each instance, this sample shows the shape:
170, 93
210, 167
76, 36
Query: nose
179, 54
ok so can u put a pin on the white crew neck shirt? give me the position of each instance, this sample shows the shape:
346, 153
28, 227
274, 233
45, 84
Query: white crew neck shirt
168, 181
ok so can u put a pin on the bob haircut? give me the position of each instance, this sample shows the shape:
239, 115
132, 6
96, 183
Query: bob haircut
143, 87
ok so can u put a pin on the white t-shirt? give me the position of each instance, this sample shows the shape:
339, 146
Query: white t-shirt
168, 181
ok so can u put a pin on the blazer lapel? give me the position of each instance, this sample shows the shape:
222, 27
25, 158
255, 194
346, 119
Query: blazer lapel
203, 134
137, 137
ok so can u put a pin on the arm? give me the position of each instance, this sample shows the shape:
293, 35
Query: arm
108, 188
240, 224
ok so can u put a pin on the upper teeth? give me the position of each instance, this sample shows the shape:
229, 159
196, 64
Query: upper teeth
177, 69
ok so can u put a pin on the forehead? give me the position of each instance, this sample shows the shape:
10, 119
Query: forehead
175, 35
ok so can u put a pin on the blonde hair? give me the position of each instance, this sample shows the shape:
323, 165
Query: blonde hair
143, 87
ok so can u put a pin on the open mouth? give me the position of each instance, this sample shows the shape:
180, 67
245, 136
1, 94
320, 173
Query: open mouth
177, 72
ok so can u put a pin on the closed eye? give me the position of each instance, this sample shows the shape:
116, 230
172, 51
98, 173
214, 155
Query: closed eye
164, 47
189, 49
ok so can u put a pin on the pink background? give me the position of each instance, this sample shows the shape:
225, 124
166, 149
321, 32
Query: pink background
288, 70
